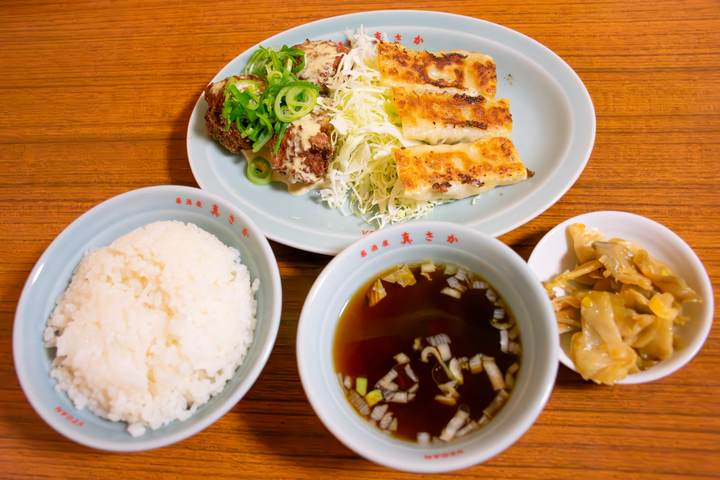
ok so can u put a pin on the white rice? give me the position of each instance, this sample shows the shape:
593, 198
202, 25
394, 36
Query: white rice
153, 325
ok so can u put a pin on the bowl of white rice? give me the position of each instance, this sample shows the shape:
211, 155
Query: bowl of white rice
147, 319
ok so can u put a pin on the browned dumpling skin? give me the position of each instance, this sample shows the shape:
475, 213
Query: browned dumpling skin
432, 172
322, 58
306, 149
455, 71
216, 124
437, 117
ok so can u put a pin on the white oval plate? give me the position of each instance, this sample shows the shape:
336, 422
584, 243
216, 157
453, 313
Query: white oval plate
553, 130
554, 254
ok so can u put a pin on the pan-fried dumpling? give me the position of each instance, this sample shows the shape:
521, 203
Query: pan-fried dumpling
455, 71
437, 117
434, 172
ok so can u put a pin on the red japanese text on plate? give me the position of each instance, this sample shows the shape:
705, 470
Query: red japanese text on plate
214, 212
443, 455
68, 417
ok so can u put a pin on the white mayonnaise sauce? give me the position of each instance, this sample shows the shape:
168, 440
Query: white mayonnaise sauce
310, 128
318, 59
296, 189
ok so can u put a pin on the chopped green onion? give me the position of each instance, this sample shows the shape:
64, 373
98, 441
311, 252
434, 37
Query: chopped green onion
299, 101
277, 56
259, 116
259, 171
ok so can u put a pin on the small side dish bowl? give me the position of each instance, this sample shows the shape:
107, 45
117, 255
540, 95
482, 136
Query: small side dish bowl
412, 243
99, 227
554, 254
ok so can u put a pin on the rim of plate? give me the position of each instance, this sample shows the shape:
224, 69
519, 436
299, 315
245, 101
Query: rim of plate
331, 242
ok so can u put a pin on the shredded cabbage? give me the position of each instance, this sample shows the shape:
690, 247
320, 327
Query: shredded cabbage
362, 176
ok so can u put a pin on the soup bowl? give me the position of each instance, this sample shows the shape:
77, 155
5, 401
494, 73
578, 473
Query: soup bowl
412, 243
99, 227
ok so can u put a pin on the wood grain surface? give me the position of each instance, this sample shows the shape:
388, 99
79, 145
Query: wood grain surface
95, 99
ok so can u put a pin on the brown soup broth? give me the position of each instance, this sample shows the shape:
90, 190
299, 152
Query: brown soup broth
367, 338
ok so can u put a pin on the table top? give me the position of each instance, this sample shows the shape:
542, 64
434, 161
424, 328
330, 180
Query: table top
96, 98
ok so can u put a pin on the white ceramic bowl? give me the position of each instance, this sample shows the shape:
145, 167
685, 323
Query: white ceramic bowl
554, 254
450, 243
99, 227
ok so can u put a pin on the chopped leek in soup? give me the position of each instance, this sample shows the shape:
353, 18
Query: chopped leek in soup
621, 302
427, 353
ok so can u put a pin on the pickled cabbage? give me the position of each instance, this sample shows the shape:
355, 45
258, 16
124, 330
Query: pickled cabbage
624, 324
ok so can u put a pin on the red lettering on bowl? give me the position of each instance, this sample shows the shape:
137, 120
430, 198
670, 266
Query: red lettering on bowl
68, 417
443, 455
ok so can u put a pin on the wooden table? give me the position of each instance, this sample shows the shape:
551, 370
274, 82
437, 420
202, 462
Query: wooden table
96, 98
